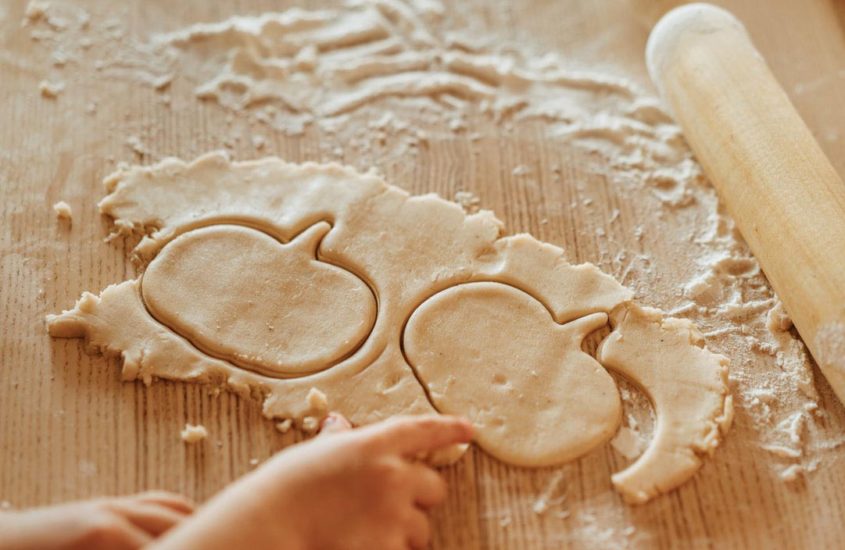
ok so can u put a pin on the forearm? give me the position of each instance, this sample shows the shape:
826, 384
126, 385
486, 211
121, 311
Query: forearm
241, 516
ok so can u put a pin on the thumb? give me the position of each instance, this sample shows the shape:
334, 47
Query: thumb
334, 423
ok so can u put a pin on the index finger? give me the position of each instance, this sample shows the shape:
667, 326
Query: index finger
410, 435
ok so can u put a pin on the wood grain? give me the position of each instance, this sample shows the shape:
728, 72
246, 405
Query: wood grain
787, 199
70, 429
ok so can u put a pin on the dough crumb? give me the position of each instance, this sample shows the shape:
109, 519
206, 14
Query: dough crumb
791, 473
777, 320
51, 90
137, 146
317, 401
628, 442
468, 200
5, 505
310, 424
194, 433
253, 462
63, 211
284, 426
259, 142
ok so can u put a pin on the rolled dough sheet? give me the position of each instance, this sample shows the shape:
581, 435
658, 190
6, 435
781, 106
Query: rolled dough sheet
277, 280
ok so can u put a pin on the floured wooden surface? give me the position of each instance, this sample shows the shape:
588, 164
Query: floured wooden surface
118, 438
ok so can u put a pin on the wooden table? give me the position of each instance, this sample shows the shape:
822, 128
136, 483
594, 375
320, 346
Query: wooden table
70, 429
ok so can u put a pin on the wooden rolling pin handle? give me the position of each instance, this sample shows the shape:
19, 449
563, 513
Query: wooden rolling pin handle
786, 198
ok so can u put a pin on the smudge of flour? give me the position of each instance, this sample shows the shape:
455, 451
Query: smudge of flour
77, 39
407, 72
730, 300
553, 496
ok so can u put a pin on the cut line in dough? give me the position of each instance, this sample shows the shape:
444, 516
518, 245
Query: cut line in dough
686, 383
415, 253
503, 339
240, 295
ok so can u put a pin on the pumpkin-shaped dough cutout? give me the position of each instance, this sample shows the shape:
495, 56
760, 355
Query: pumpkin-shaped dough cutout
240, 295
494, 354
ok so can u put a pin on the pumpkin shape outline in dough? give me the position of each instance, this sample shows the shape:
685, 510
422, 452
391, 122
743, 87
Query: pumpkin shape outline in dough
534, 396
303, 316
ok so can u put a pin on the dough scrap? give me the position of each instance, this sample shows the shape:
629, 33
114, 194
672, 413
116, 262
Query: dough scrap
51, 90
193, 433
310, 424
688, 387
63, 211
422, 258
284, 426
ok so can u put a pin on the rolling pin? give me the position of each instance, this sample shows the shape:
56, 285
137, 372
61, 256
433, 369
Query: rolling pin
786, 197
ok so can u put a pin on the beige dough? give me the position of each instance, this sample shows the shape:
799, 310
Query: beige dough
687, 385
51, 90
63, 211
495, 337
193, 433
414, 296
238, 294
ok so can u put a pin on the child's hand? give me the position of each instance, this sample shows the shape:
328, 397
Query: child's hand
345, 489
108, 523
